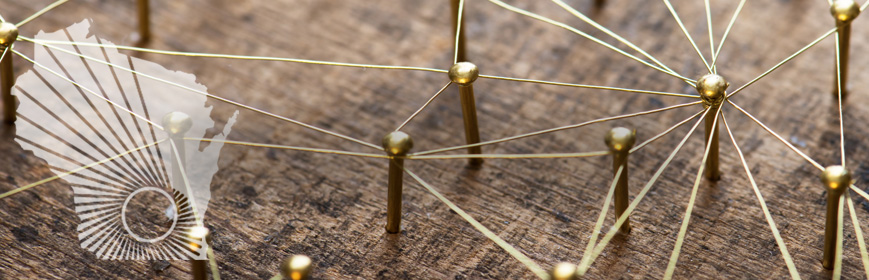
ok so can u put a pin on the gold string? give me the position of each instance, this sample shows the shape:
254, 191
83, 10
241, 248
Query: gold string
212, 261
786, 60
803, 155
662, 134
598, 249
711, 40
513, 156
348, 138
554, 129
191, 200
591, 86
839, 99
837, 266
304, 149
595, 232
683, 230
726, 32
682, 26
583, 34
229, 56
52, 178
859, 233
88, 90
519, 256
40, 12
792, 269
424, 105
458, 32
612, 34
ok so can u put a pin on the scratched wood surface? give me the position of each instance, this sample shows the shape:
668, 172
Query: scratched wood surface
269, 204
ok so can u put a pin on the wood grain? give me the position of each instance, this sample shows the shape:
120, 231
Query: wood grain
269, 204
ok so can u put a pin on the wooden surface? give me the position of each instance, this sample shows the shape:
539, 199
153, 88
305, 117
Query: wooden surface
269, 204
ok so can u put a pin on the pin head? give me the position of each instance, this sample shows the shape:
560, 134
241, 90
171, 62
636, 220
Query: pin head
712, 89
397, 143
464, 73
836, 178
198, 233
8, 34
297, 267
845, 10
564, 271
177, 123
620, 139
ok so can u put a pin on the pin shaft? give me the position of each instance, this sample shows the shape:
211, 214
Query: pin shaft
840, 78
6, 83
144, 13
620, 159
469, 112
393, 199
830, 231
712, 171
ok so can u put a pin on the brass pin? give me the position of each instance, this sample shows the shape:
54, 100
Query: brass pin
8, 35
198, 268
564, 271
297, 267
464, 74
144, 14
620, 141
460, 51
844, 11
396, 144
712, 89
837, 179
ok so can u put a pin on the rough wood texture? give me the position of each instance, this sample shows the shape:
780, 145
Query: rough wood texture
269, 204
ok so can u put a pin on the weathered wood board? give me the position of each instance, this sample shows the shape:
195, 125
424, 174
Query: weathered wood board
269, 204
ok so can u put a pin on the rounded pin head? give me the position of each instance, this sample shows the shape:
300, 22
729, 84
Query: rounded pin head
8, 34
836, 178
198, 233
845, 10
464, 73
177, 123
620, 139
564, 271
397, 143
297, 267
712, 89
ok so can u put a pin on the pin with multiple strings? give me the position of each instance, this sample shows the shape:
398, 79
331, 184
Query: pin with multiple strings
297, 267
8, 35
837, 179
464, 74
396, 144
844, 11
712, 89
620, 140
